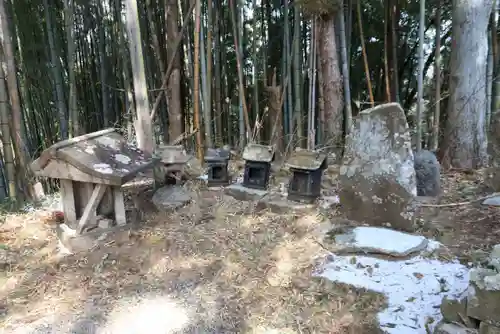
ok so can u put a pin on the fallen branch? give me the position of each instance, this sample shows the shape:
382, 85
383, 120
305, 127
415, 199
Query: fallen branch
460, 203
182, 137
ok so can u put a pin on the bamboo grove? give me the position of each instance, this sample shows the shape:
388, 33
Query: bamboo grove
229, 71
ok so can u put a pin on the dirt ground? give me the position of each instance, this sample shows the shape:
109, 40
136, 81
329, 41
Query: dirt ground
215, 266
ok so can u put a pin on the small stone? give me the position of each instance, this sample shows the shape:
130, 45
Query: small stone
171, 197
428, 173
491, 176
486, 328
105, 223
241, 193
39, 193
280, 205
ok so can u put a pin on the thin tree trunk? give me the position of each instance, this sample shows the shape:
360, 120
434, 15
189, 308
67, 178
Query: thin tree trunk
243, 104
255, 82
420, 84
208, 86
20, 148
56, 73
437, 80
386, 65
103, 64
5, 128
196, 90
345, 73
365, 57
70, 40
218, 79
175, 127
207, 114
332, 84
393, 47
143, 127
297, 78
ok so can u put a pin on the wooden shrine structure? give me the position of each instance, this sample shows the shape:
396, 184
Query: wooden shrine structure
92, 168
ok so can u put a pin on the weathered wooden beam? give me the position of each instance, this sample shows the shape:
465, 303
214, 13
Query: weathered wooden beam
51, 151
68, 201
119, 205
89, 213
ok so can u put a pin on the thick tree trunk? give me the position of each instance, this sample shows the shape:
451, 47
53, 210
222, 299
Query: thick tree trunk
466, 141
332, 84
143, 127
175, 127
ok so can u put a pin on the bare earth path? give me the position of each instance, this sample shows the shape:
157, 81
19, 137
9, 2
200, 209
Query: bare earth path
216, 266
213, 267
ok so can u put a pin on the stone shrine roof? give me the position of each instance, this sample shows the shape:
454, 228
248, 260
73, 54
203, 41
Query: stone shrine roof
259, 153
172, 154
100, 157
306, 160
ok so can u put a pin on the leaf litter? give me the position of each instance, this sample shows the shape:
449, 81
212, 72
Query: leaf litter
215, 266
239, 271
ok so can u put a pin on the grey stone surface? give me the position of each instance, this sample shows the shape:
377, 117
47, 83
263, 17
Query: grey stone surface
493, 201
428, 173
491, 177
242, 193
455, 310
377, 177
494, 258
486, 328
105, 223
281, 205
171, 197
73, 242
483, 301
446, 328
376, 240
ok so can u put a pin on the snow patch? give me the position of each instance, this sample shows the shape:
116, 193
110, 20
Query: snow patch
122, 158
414, 288
103, 168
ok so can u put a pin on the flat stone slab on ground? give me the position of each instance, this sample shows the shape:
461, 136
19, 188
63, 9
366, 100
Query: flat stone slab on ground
171, 197
379, 240
279, 204
242, 193
494, 201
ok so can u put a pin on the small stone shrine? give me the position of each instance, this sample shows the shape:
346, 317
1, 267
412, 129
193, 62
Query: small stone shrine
173, 159
258, 160
217, 161
307, 168
92, 168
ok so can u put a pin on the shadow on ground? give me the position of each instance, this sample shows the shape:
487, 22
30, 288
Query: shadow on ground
234, 271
